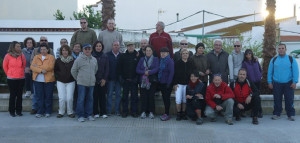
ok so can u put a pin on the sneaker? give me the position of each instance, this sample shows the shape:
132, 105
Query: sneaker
213, 119
275, 117
104, 116
72, 115
291, 118
97, 116
199, 121
151, 116
38, 115
164, 117
229, 122
47, 115
255, 121
81, 119
59, 115
91, 118
143, 115
19, 114
28, 94
33, 111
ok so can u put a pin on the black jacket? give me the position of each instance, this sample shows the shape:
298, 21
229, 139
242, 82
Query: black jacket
183, 71
127, 65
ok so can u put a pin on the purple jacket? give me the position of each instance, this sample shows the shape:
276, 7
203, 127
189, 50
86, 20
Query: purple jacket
254, 72
140, 69
168, 73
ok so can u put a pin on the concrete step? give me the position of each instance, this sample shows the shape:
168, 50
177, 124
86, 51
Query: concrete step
267, 104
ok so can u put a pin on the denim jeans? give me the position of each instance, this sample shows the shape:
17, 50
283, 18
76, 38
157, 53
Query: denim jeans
280, 89
44, 96
130, 86
34, 102
84, 106
113, 86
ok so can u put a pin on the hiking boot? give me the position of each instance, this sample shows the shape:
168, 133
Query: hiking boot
72, 115
199, 121
255, 121
143, 115
33, 111
275, 117
151, 116
59, 115
229, 122
291, 118
164, 117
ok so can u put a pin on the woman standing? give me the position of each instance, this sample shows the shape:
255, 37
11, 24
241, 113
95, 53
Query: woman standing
65, 81
183, 69
14, 65
43, 75
165, 77
29, 44
101, 78
254, 72
148, 67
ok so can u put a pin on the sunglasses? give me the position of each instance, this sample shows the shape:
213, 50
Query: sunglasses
87, 48
82, 22
183, 43
237, 45
43, 40
249, 53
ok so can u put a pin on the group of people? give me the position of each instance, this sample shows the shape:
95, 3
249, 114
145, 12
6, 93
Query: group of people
92, 70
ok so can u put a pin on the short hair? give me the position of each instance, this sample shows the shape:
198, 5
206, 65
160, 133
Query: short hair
217, 75
63, 39
110, 19
29, 38
66, 47
43, 37
77, 44
281, 44
11, 48
83, 18
95, 44
162, 24
45, 45
184, 50
199, 45
218, 40
242, 69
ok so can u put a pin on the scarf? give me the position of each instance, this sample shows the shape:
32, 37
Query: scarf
66, 60
148, 62
97, 54
15, 54
162, 66
193, 84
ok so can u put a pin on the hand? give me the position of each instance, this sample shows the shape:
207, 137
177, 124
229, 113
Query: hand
200, 96
202, 74
147, 72
219, 108
102, 82
44, 71
189, 97
207, 71
217, 96
175, 87
240, 106
270, 85
248, 99
293, 85
27, 70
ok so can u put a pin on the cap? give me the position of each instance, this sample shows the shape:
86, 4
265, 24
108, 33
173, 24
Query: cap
86, 46
129, 43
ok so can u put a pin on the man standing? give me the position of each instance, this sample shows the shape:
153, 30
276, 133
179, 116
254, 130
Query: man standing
283, 74
235, 60
183, 44
218, 61
160, 39
113, 80
84, 35
110, 35
127, 70
246, 96
63, 41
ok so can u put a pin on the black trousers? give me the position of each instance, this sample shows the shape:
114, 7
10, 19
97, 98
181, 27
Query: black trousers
99, 99
75, 96
166, 94
15, 98
147, 98
193, 105
255, 105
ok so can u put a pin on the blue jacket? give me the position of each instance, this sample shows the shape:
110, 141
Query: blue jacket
282, 71
168, 73
154, 67
112, 76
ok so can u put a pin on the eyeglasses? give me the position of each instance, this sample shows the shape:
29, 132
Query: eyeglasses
82, 22
183, 43
217, 44
43, 40
237, 45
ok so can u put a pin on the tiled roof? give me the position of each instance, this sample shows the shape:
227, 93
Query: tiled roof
289, 38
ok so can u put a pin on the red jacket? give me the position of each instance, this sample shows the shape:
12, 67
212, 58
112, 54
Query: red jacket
14, 67
160, 41
241, 93
223, 90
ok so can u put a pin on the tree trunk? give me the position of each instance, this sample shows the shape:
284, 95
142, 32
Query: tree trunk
108, 11
269, 50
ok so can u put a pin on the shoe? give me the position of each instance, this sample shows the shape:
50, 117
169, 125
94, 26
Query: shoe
47, 115
81, 119
91, 118
183, 116
143, 115
19, 114
164, 117
275, 117
238, 118
59, 115
178, 118
134, 115
38, 115
151, 116
117, 114
97, 116
213, 119
124, 115
229, 122
72, 115
199, 121
28, 94
104, 116
243, 114
12, 114
33, 111
291, 118
255, 121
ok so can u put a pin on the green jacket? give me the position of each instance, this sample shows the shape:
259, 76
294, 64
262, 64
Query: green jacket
84, 37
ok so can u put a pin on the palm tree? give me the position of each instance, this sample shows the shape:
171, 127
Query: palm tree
269, 50
108, 11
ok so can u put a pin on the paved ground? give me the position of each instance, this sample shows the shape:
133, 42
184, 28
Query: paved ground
28, 129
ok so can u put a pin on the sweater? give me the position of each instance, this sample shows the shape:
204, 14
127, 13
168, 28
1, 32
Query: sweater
108, 37
47, 64
201, 64
218, 64
14, 67
27, 53
154, 67
84, 70
223, 90
159, 41
183, 71
83, 37
254, 72
235, 61
63, 71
